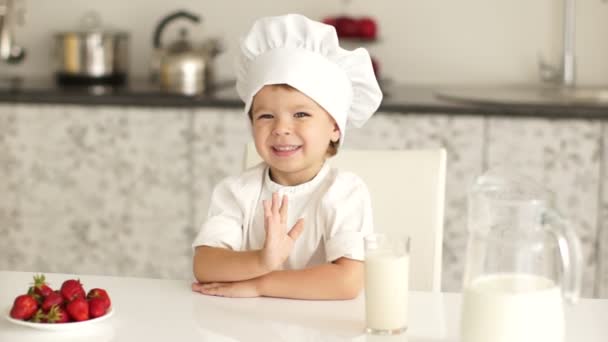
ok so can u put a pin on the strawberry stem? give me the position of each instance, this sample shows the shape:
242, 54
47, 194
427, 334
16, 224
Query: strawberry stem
39, 280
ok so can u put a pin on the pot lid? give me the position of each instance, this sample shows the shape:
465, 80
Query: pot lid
91, 23
182, 44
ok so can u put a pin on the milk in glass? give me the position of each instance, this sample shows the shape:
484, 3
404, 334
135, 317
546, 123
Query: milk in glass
386, 285
512, 307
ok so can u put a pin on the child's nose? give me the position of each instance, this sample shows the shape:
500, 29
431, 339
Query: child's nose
282, 127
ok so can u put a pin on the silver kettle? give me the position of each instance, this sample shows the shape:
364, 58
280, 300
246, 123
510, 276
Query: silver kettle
183, 67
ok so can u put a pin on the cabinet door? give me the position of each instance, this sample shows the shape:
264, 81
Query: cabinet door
564, 155
101, 190
462, 137
219, 137
9, 206
602, 270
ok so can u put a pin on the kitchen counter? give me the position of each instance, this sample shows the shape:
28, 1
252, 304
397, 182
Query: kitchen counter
398, 99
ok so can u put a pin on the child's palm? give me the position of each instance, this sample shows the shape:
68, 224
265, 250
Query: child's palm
279, 242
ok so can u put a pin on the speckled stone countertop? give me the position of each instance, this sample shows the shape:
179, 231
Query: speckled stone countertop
505, 101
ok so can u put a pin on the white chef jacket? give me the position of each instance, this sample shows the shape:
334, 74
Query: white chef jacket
335, 206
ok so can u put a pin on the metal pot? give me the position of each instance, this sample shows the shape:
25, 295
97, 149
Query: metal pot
92, 55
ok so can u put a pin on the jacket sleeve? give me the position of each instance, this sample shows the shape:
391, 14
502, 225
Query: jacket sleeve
348, 217
224, 225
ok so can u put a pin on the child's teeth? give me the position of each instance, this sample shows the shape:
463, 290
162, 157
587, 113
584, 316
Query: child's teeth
286, 148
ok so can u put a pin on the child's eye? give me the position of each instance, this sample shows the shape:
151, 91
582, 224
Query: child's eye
301, 114
264, 116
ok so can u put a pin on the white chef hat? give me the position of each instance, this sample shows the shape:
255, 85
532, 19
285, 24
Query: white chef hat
305, 54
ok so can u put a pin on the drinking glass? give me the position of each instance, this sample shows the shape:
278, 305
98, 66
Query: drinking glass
386, 283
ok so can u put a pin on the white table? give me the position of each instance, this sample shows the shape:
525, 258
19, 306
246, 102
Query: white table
166, 310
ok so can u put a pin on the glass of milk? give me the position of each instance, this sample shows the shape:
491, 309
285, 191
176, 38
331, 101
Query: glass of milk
386, 283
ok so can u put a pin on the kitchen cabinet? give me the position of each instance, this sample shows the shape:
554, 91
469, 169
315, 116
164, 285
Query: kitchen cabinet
217, 147
95, 190
122, 190
602, 240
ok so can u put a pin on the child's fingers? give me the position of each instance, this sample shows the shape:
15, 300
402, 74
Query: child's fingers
198, 287
267, 215
214, 289
267, 224
267, 209
275, 203
297, 229
283, 210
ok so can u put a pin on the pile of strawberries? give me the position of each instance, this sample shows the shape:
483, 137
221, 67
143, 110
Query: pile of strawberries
69, 304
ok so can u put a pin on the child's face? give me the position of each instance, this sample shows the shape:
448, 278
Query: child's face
291, 133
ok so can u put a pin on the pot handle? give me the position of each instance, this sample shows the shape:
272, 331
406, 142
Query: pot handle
166, 20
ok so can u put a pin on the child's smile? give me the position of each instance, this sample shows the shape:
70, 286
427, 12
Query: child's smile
285, 150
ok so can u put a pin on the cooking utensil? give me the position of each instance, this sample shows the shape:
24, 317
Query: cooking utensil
92, 55
182, 66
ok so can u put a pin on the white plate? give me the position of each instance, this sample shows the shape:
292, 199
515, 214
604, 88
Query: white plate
60, 326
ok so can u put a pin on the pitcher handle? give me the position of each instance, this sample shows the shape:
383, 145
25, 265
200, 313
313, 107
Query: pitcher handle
570, 251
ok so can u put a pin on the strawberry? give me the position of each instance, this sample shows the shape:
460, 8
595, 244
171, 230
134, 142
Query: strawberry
39, 317
57, 314
32, 292
41, 288
24, 307
97, 307
72, 289
78, 309
100, 293
54, 298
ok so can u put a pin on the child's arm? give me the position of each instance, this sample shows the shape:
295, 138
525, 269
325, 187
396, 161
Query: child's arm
220, 264
342, 279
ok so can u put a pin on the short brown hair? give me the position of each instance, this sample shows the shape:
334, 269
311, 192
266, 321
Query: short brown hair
332, 149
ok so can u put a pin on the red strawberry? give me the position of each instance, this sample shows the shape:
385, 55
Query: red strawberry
54, 298
72, 289
57, 314
40, 286
78, 309
97, 307
24, 307
32, 292
100, 293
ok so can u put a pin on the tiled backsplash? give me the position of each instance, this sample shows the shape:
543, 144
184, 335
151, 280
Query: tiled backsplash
123, 190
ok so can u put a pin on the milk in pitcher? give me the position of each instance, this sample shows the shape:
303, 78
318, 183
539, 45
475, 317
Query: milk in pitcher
386, 288
512, 307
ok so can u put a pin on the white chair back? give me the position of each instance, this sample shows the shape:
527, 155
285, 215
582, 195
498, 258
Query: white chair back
408, 194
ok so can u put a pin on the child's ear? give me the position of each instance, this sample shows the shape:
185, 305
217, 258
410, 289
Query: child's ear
335, 134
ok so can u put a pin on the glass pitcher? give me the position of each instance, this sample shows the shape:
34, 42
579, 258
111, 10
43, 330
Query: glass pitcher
522, 260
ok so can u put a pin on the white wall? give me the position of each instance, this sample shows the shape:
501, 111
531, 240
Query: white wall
423, 41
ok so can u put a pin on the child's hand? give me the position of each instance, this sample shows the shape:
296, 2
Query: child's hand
239, 289
279, 242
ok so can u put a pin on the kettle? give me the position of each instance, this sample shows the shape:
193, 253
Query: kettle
523, 261
183, 67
